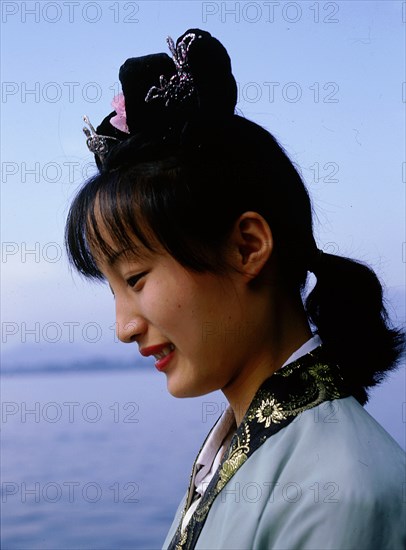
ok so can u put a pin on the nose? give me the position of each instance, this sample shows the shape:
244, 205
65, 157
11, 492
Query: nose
130, 325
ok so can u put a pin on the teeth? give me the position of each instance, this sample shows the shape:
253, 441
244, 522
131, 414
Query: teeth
164, 352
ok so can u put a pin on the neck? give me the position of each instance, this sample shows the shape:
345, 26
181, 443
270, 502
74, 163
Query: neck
288, 330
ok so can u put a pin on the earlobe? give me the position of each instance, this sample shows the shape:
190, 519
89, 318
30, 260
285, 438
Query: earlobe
252, 243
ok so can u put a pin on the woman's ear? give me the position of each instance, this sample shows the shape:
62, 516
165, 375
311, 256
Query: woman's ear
251, 244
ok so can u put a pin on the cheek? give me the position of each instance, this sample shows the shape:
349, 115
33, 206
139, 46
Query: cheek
166, 303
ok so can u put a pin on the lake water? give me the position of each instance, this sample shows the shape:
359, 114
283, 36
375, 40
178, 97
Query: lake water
95, 461
100, 460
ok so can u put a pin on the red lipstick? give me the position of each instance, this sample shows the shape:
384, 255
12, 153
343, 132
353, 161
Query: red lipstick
153, 350
162, 363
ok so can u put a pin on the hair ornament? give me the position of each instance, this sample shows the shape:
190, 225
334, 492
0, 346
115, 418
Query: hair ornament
119, 121
167, 97
95, 142
180, 86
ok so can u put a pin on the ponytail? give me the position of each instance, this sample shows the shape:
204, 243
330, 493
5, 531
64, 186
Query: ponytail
347, 307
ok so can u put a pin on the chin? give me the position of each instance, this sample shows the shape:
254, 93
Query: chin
185, 390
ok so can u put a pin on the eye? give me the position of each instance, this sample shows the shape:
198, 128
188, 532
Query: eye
132, 281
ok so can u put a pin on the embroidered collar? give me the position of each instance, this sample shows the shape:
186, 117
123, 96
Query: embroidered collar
224, 426
299, 386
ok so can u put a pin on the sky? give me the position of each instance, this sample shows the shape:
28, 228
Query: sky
326, 78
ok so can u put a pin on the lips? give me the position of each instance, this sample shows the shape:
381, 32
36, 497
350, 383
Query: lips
163, 354
156, 350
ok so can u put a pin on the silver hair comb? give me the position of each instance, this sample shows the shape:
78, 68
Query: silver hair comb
96, 143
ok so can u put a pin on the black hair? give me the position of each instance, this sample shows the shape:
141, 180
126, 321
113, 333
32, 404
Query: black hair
185, 196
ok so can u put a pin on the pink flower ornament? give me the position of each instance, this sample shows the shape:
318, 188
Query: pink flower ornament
119, 121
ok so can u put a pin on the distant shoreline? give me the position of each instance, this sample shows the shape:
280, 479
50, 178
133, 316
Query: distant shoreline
85, 367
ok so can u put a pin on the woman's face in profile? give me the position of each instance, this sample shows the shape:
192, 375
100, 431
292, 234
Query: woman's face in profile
194, 323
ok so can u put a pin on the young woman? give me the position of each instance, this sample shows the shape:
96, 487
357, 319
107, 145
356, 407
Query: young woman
202, 227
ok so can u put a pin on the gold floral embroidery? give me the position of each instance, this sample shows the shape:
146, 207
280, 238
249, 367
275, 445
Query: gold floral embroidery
270, 411
183, 539
230, 467
236, 457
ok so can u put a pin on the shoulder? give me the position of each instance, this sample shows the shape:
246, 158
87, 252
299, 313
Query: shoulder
338, 439
339, 482
333, 478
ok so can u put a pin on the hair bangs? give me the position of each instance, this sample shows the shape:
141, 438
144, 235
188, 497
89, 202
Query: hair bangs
104, 221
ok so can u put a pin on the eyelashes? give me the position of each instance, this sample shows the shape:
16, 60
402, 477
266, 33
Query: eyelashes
132, 281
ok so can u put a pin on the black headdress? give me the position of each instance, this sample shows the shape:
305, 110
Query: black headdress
162, 96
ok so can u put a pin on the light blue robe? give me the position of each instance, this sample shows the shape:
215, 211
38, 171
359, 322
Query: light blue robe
331, 479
